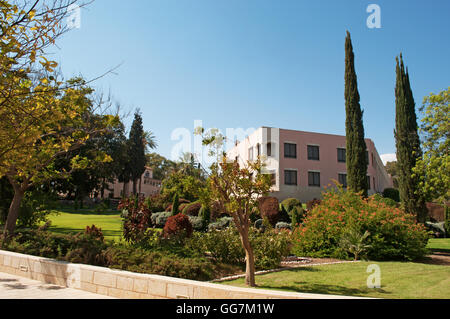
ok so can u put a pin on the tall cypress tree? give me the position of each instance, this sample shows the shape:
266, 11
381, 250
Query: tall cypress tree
356, 145
136, 150
408, 144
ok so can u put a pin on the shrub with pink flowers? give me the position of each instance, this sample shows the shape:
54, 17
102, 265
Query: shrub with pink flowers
394, 234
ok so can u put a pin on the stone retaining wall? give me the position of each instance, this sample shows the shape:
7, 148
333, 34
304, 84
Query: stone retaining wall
128, 285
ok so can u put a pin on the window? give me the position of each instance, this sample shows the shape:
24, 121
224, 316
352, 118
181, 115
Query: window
290, 150
273, 178
269, 149
368, 183
342, 178
290, 177
258, 149
250, 154
313, 153
342, 155
367, 157
314, 179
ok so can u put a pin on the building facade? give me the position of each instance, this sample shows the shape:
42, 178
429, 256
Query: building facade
303, 163
146, 186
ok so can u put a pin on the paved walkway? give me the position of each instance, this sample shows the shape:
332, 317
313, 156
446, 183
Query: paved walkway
15, 287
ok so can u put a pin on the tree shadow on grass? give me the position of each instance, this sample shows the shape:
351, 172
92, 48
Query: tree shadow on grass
316, 288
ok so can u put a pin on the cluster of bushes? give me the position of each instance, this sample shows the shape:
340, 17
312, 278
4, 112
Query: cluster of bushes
90, 248
225, 246
392, 233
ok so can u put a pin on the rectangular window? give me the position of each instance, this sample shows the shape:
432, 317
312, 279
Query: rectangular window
368, 183
342, 178
290, 150
269, 149
313, 153
314, 179
342, 155
250, 154
258, 149
290, 177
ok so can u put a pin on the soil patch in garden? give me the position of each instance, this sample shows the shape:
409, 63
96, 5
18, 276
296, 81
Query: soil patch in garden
438, 258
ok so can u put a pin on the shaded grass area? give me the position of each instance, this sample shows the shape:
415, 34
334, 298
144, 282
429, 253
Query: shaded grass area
71, 221
398, 280
439, 245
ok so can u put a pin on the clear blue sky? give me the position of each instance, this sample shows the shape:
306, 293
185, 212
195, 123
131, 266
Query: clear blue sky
252, 63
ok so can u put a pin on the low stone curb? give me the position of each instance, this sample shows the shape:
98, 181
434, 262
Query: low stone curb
262, 272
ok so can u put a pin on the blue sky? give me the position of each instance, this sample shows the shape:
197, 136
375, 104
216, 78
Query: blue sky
252, 63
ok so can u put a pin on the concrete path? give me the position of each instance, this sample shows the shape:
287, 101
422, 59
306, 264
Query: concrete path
15, 287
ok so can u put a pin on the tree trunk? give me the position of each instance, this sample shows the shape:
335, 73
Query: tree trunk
13, 213
249, 260
134, 186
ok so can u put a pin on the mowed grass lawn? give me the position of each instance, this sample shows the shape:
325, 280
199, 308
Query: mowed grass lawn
398, 280
70, 221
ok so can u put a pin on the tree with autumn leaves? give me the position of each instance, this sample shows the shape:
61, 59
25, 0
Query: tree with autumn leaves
41, 117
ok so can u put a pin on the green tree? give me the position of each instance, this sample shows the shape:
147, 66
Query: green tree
356, 145
136, 150
408, 145
68, 129
161, 166
175, 205
237, 191
434, 166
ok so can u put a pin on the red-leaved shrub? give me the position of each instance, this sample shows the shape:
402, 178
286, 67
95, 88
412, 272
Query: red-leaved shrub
178, 225
94, 232
136, 218
191, 209
269, 207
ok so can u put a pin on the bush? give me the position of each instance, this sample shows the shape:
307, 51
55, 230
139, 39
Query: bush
94, 232
192, 209
205, 216
156, 203
197, 223
268, 207
136, 219
297, 216
283, 215
312, 203
159, 219
178, 226
34, 209
221, 223
392, 193
290, 203
225, 246
394, 234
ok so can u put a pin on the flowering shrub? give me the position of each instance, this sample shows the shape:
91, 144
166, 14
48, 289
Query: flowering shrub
179, 226
394, 234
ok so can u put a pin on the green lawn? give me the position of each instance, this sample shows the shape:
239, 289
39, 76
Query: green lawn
398, 280
439, 245
75, 221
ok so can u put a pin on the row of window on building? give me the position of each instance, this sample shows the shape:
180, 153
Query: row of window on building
291, 178
313, 152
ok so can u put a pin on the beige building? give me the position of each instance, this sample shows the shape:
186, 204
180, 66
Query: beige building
146, 186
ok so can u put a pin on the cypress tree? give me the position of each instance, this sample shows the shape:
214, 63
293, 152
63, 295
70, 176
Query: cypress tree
408, 145
175, 205
356, 145
136, 150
